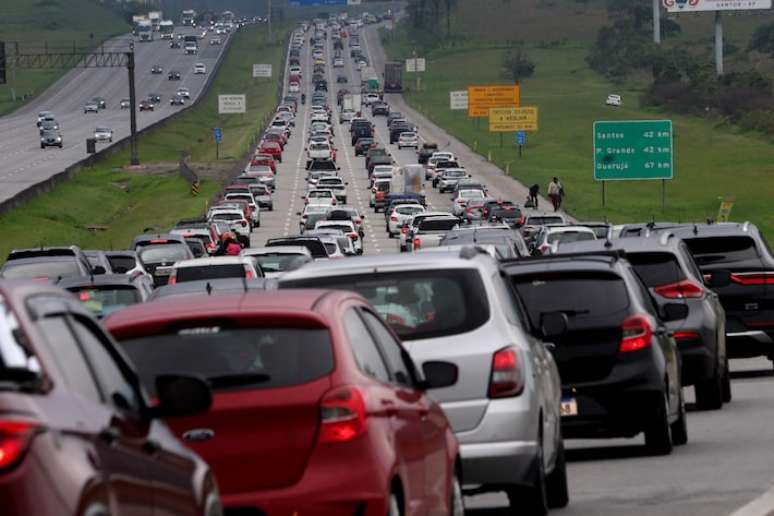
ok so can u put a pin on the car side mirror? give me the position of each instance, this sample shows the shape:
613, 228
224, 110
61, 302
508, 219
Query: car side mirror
439, 374
98, 269
181, 395
298, 213
553, 324
674, 311
338, 168
721, 278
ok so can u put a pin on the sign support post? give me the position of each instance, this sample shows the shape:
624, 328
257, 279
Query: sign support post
718, 44
657, 22
663, 195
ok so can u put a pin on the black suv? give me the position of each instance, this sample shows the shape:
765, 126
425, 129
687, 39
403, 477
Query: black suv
425, 152
737, 263
619, 364
360, 128
665, 265
397, 128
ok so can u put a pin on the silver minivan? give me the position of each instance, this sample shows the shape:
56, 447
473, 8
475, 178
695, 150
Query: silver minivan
505, 406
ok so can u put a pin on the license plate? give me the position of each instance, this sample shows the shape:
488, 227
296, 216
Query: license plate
569, 407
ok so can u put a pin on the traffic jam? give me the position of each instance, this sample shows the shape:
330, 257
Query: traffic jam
359, 325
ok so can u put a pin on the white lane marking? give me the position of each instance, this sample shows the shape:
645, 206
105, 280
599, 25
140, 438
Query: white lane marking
761, 506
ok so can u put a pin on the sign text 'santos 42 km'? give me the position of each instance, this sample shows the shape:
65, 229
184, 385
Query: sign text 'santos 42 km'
633, 150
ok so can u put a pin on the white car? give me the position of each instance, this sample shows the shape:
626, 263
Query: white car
319, 151
408, 139
234, 217
295, 70
215, 41
614, 100
103, 134
347, 227
318, 54
200, 69
277, 260
335, 184
320, 198
462, 198
400, 215
184, 92
370, 98
338, 62
245, 196
213, 268
294, 87
346, 116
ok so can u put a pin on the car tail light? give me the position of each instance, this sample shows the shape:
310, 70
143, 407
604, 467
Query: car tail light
394, 218
15, 438
243, 223
637, 333
507, 377
682, 336
172, 278
333, 202
753, 278
342, 415
353, 236
404, 230
685, 289
417, 243
248, 273
460, 201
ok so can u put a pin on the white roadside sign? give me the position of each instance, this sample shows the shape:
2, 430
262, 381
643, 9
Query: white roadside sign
228, 104
262, 70
416, 64
687, 6
458, 100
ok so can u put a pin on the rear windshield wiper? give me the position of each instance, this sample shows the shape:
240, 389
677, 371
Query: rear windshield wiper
573, 313
237, 380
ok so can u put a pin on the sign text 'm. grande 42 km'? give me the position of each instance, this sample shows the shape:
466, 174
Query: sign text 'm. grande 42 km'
633, 150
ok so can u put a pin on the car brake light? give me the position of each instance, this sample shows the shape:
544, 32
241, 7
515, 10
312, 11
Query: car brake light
685, 289
15, 437
394, 218
682, 336
248, 273
243, 223
507, 378
637, 333
417, 243
753, 278
84, 296
404, 230
353, 236
342, 415
172, 278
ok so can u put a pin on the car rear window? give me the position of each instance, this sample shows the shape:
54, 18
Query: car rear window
656, 269
570, 236
708, 251
577, 294
438, 224
102, 301
278, 262
164, 253
205, 272
315, 247
417, 304
506, 213
234, 358
542, 221
122, 264
51, 269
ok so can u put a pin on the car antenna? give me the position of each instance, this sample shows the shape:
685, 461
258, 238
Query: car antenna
695, 229
208, 288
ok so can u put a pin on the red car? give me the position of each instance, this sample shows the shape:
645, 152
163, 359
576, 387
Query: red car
77, 433
265, 160
272, 148
317, 409
276, 137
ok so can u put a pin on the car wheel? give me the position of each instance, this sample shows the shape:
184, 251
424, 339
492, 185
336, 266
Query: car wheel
658, 434
456, 501
393, 506
709, 393
532, 500
556, 482
42, 146
680, 427
726, 384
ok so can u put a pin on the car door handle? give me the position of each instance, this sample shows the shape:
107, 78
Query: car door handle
110, 434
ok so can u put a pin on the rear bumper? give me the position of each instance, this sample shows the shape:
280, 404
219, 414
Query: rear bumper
499, 463
698, 361
748, 344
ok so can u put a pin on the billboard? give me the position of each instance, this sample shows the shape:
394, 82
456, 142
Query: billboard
416, 64
262, 70
228, 104
482, 98
687, 6
458, 100
509, 119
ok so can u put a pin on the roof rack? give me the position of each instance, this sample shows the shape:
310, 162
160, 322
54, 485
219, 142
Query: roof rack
610, 254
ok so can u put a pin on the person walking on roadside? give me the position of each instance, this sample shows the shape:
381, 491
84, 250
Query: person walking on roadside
555, 193
533, 195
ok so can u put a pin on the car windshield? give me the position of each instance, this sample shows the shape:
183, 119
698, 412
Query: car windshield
454, 173
103, 301
122, 264
438, 224
164, 253
722, 249
51, 269
319, 147
234, 358
205, 272
417, 304
226, 216
409, 210
102, 130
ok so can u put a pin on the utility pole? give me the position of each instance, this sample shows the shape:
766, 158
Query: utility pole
134, 160
268, 17
718, 44
657, 22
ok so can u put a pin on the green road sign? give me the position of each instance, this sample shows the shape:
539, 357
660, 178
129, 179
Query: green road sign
633, 150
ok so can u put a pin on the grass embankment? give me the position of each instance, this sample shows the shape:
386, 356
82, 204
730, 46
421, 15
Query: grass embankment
128, 202
712, 159
53, 24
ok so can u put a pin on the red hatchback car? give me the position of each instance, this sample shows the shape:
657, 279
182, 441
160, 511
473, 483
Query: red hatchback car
317, 409
265, 160
274, 149
77, 435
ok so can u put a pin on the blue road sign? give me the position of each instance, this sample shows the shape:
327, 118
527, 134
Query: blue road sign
521, 138
217, 133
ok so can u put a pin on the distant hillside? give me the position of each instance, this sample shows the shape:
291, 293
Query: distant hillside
55, 23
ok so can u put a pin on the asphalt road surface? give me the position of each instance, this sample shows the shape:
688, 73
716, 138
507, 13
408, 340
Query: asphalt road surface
24, 163
728, 459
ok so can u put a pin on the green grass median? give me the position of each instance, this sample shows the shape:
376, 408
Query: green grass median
712, 159
104, 206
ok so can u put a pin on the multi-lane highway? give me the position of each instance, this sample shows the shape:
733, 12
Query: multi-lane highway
25, 163
726, 463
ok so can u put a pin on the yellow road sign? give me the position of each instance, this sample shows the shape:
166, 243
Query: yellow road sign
511, 119
725, 209
481, 98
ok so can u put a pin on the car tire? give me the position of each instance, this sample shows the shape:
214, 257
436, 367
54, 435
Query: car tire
680, 427
42, 146
530, 501
456, 500
658, 434
393, 506
557, 492
727, 384
344, 200
709, 393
